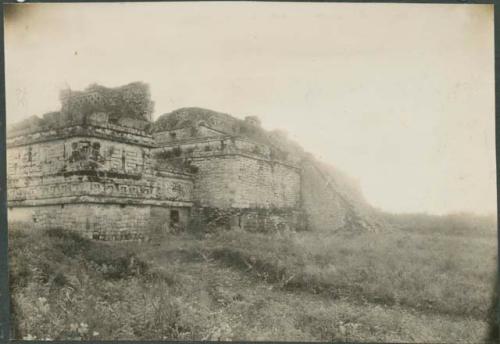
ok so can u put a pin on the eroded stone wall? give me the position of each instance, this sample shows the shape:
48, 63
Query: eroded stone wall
105, 185
264, 220
77, 153
210, 146
187, 133
243, 182
95, 125
237, 173
90, 166
102, 221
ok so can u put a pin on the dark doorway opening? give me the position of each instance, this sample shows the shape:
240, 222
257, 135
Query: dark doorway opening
174, 216
174, 221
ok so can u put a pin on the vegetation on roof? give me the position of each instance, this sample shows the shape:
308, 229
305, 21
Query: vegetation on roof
132, 100
189, 116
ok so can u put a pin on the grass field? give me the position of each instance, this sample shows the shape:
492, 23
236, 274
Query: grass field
402, 285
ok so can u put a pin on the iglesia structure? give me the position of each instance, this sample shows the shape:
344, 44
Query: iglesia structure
102, 167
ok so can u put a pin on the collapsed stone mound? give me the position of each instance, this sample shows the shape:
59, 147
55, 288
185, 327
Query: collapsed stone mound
334, 202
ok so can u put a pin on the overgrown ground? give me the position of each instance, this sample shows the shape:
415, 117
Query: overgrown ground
403, 285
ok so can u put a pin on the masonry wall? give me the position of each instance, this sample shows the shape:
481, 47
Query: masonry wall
77, 153
90, 166
187, 133
238, 173
60, 189
102, 185
243, 182
162, 220
208, 147
262, 220
239, 184
91, 126
100, 221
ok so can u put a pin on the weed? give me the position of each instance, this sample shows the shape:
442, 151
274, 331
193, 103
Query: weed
234, 285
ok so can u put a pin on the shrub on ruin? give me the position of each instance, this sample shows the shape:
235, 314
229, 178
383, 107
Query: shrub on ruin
193, 169
177, 151
166, 154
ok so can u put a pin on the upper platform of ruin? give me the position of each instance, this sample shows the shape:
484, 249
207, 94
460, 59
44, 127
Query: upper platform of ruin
125, 114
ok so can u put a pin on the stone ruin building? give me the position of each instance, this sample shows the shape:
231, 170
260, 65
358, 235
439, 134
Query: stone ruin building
102, 167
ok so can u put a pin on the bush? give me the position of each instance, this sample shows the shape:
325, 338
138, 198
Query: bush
164, 155
177, 151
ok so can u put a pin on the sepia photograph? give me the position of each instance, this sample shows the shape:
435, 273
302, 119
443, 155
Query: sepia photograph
251, 171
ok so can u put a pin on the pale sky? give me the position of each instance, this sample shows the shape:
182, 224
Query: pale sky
398, 96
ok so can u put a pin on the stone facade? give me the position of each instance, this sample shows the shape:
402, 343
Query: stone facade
245, 182
94, 175
102, 221
240, 182
113, 175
